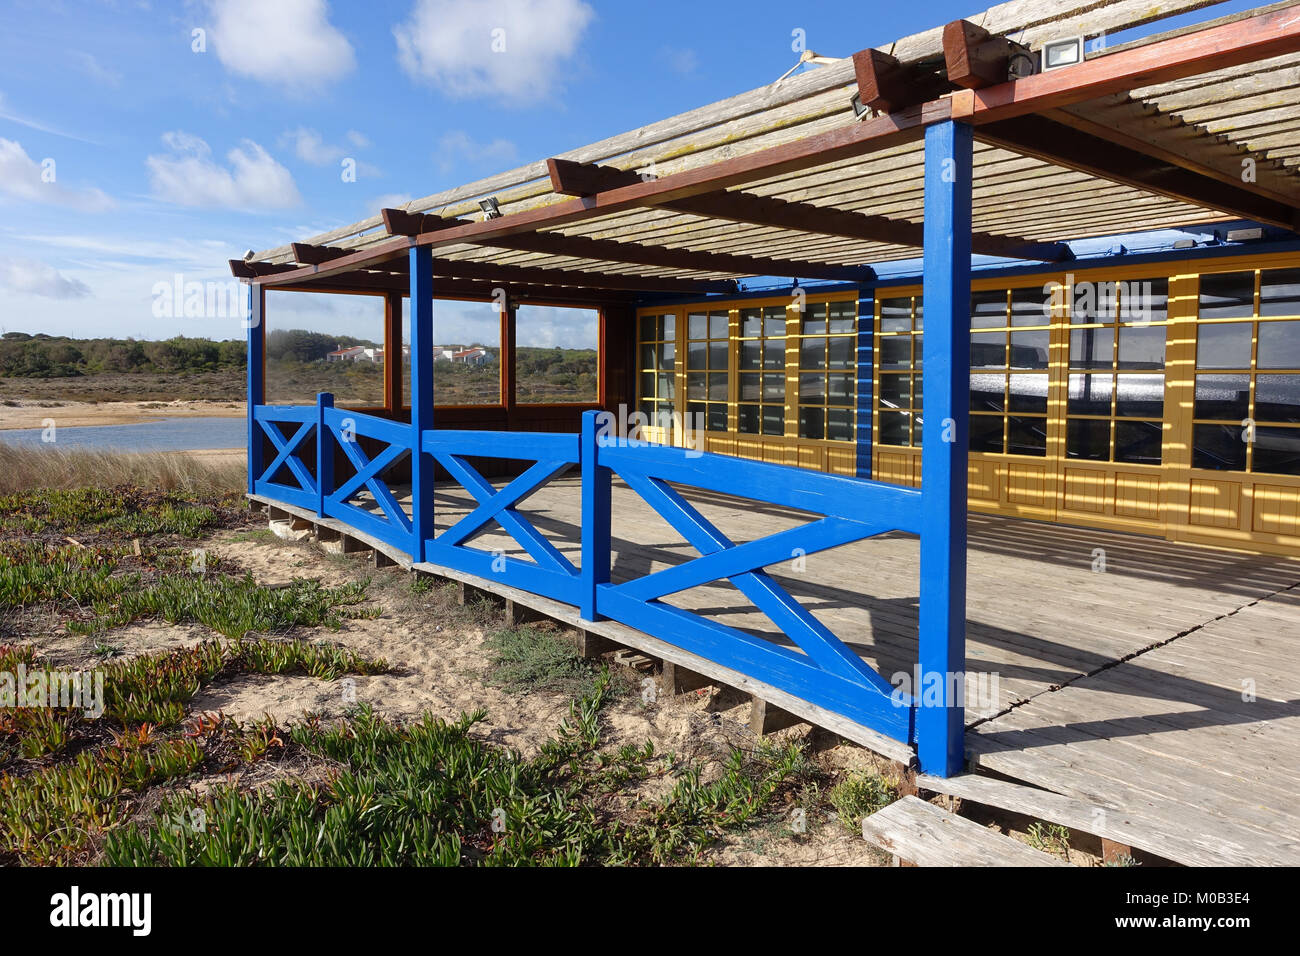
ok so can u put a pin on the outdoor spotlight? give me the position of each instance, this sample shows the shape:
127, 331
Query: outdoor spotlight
491, 209
1185, 244
1245, 235
859, 111
1058, 54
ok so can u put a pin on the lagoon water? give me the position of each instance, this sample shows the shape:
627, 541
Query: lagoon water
167, 434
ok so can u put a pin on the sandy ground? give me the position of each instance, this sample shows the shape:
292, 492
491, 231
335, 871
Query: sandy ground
32, 414
440, 665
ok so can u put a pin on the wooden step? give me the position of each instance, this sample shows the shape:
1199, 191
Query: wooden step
921, 834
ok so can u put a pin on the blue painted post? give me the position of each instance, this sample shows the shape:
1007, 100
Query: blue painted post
256, 371
421, 397
940, 715
866, 340
596, 493
324, 453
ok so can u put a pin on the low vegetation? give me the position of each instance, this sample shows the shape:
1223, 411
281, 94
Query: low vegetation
92, 473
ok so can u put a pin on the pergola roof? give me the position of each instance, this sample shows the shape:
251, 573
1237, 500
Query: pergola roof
788, 181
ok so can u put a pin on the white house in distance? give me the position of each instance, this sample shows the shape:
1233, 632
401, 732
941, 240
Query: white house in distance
471, 356
356, 353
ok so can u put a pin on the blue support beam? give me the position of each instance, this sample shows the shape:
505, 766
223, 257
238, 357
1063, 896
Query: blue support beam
324, 452
865, 397
422, 467
596, 514
940, 720
256, 379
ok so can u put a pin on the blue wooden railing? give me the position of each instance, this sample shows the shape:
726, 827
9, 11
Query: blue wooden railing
822, 670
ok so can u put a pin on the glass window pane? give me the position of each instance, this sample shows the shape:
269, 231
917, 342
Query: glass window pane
751, 323
1026, 436
647, 384
1279, 292
648, 325
896, 315
814, 322
667, 326
773, 420
696, 355
1142, 347
1138, 442
718, 355
1144, 300
842, 351
896, 391
843, 317
667, 386
1219, 447
986, 433
774, 353
1090, 394
812, 389
750, 354
648, 353
696, 385
918, 350
717, 417
718, 387
1277, 451
811, 423
839, 389
1140, 396
894, 428
1030, 307
1222, 396
1277, 398
987, 392
1223, 346
812, 353
667, 355
697, 326
719, 323
839, 424
747, 419
988, 350
774, 388
1228, 295
749, 388
1092, 348
1029, 349
1087, 439
1094, 302
774, 321
895, 351
988, 310
1028, 393
1279, 345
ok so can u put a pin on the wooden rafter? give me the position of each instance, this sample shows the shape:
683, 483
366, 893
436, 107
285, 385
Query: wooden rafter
886, 84
577, 179
976, 58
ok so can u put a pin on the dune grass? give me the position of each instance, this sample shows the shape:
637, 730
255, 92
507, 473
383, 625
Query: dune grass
29, 468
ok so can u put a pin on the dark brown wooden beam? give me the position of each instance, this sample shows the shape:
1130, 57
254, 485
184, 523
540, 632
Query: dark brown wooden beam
372, 282
308, 254
976, 58
591, 180
241, 269
1072, 148
886, 84
604, 250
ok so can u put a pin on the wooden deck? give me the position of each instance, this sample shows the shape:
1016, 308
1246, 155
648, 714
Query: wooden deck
1124, 688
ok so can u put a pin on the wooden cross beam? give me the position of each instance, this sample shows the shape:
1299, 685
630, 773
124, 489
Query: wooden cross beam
314, 255
976, 58
578, 179
886, 84
252, 270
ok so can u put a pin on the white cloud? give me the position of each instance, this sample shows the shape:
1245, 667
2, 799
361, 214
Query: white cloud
288, 42
456, 145
310, 148
97, 71
682, 61
188, 176
30, 277
357, 139
513, 48
22, 177
387, 201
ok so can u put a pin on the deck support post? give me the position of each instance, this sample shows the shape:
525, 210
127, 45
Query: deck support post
596, 491
256, 379
940, 711
324, 453
422, 472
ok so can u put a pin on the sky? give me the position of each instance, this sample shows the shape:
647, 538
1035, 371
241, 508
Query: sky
144, 143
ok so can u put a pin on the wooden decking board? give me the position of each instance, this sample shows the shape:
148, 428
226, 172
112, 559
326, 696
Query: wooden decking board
1162, 739
921, 833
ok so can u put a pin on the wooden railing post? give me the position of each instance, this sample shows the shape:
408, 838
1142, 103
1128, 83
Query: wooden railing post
422, 473
256, 390
324, 452
940, 724
597, 481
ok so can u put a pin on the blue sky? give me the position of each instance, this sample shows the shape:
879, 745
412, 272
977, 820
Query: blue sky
133, 149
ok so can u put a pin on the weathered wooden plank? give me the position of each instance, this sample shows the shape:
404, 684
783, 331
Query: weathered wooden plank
922, 834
